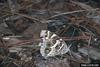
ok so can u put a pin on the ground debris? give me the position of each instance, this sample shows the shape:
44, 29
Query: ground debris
49, 33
